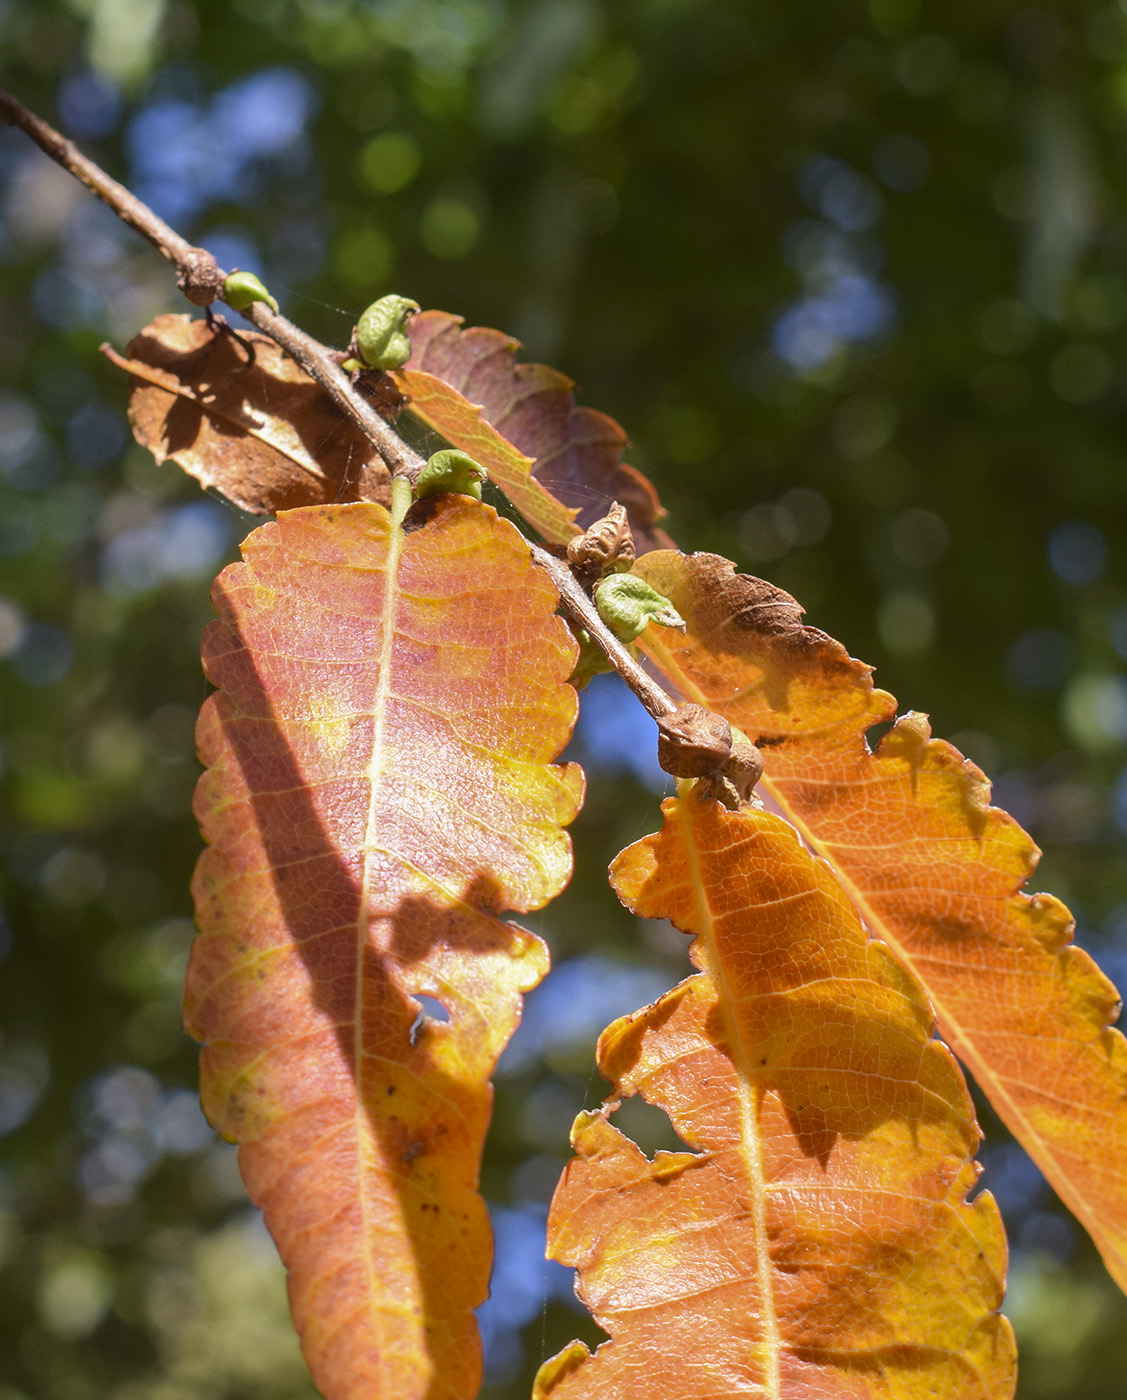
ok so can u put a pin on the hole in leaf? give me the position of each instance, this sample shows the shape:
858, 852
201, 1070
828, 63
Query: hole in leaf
430, 1009
649, 1126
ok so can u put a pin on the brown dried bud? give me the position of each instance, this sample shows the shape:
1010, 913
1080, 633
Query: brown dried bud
200, 278
606, 548
744, 767
692, 742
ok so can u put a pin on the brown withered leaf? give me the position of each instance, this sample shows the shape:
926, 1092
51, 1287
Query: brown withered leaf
259, 431
576, 451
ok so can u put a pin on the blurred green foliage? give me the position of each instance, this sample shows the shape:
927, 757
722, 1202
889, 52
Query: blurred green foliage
854, 278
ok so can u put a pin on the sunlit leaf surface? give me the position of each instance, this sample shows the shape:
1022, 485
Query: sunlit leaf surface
379, 790
576, 452
935, 871
462, 423
239, 415
816, 1240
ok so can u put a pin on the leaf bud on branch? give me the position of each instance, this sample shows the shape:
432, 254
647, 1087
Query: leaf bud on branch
627, 604
451, 470
241, 289
606, 548
380, 339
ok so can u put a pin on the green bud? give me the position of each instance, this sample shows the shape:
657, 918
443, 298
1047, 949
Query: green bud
591, 661
451, 470
242, 288
627, 604
380, 338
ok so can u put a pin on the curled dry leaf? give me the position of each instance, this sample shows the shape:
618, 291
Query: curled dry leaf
575, 453
934, 869
258, 430
378, 791
816, 1240
692, 742
743, 769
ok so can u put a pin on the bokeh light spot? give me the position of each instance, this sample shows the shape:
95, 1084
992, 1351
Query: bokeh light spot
450, 227
1038, 660
1078, 552
906, 624
389, 162
919, 538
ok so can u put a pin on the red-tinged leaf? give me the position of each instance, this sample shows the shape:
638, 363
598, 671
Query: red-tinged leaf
934, 869
817, 1242
379, 790
257, 429
462, 423
576, 452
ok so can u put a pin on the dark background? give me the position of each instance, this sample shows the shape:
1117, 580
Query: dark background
854, 278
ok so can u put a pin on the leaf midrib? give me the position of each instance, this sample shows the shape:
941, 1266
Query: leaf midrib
751, 1146
395, 539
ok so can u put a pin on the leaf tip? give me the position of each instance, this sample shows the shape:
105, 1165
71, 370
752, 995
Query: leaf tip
557, 1369
586, 1127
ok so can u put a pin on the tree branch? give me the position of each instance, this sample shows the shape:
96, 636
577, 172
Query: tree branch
201, 280
582, 611
321, 364
199, 276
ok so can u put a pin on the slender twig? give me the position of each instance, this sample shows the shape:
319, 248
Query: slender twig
201, 280
581, 610
321, 364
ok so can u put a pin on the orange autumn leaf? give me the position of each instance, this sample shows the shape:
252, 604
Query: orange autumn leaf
240, 416
379, 790
934, 869
462, 423
817, 1241
466, 383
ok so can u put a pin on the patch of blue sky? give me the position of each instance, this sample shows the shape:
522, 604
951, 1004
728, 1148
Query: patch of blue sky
1014, 1178
523, 1282
95, 435
850, 308
834, 189
579, 998
616, 735
88, 104
188, 155
183, 542
232, 248
844, 301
